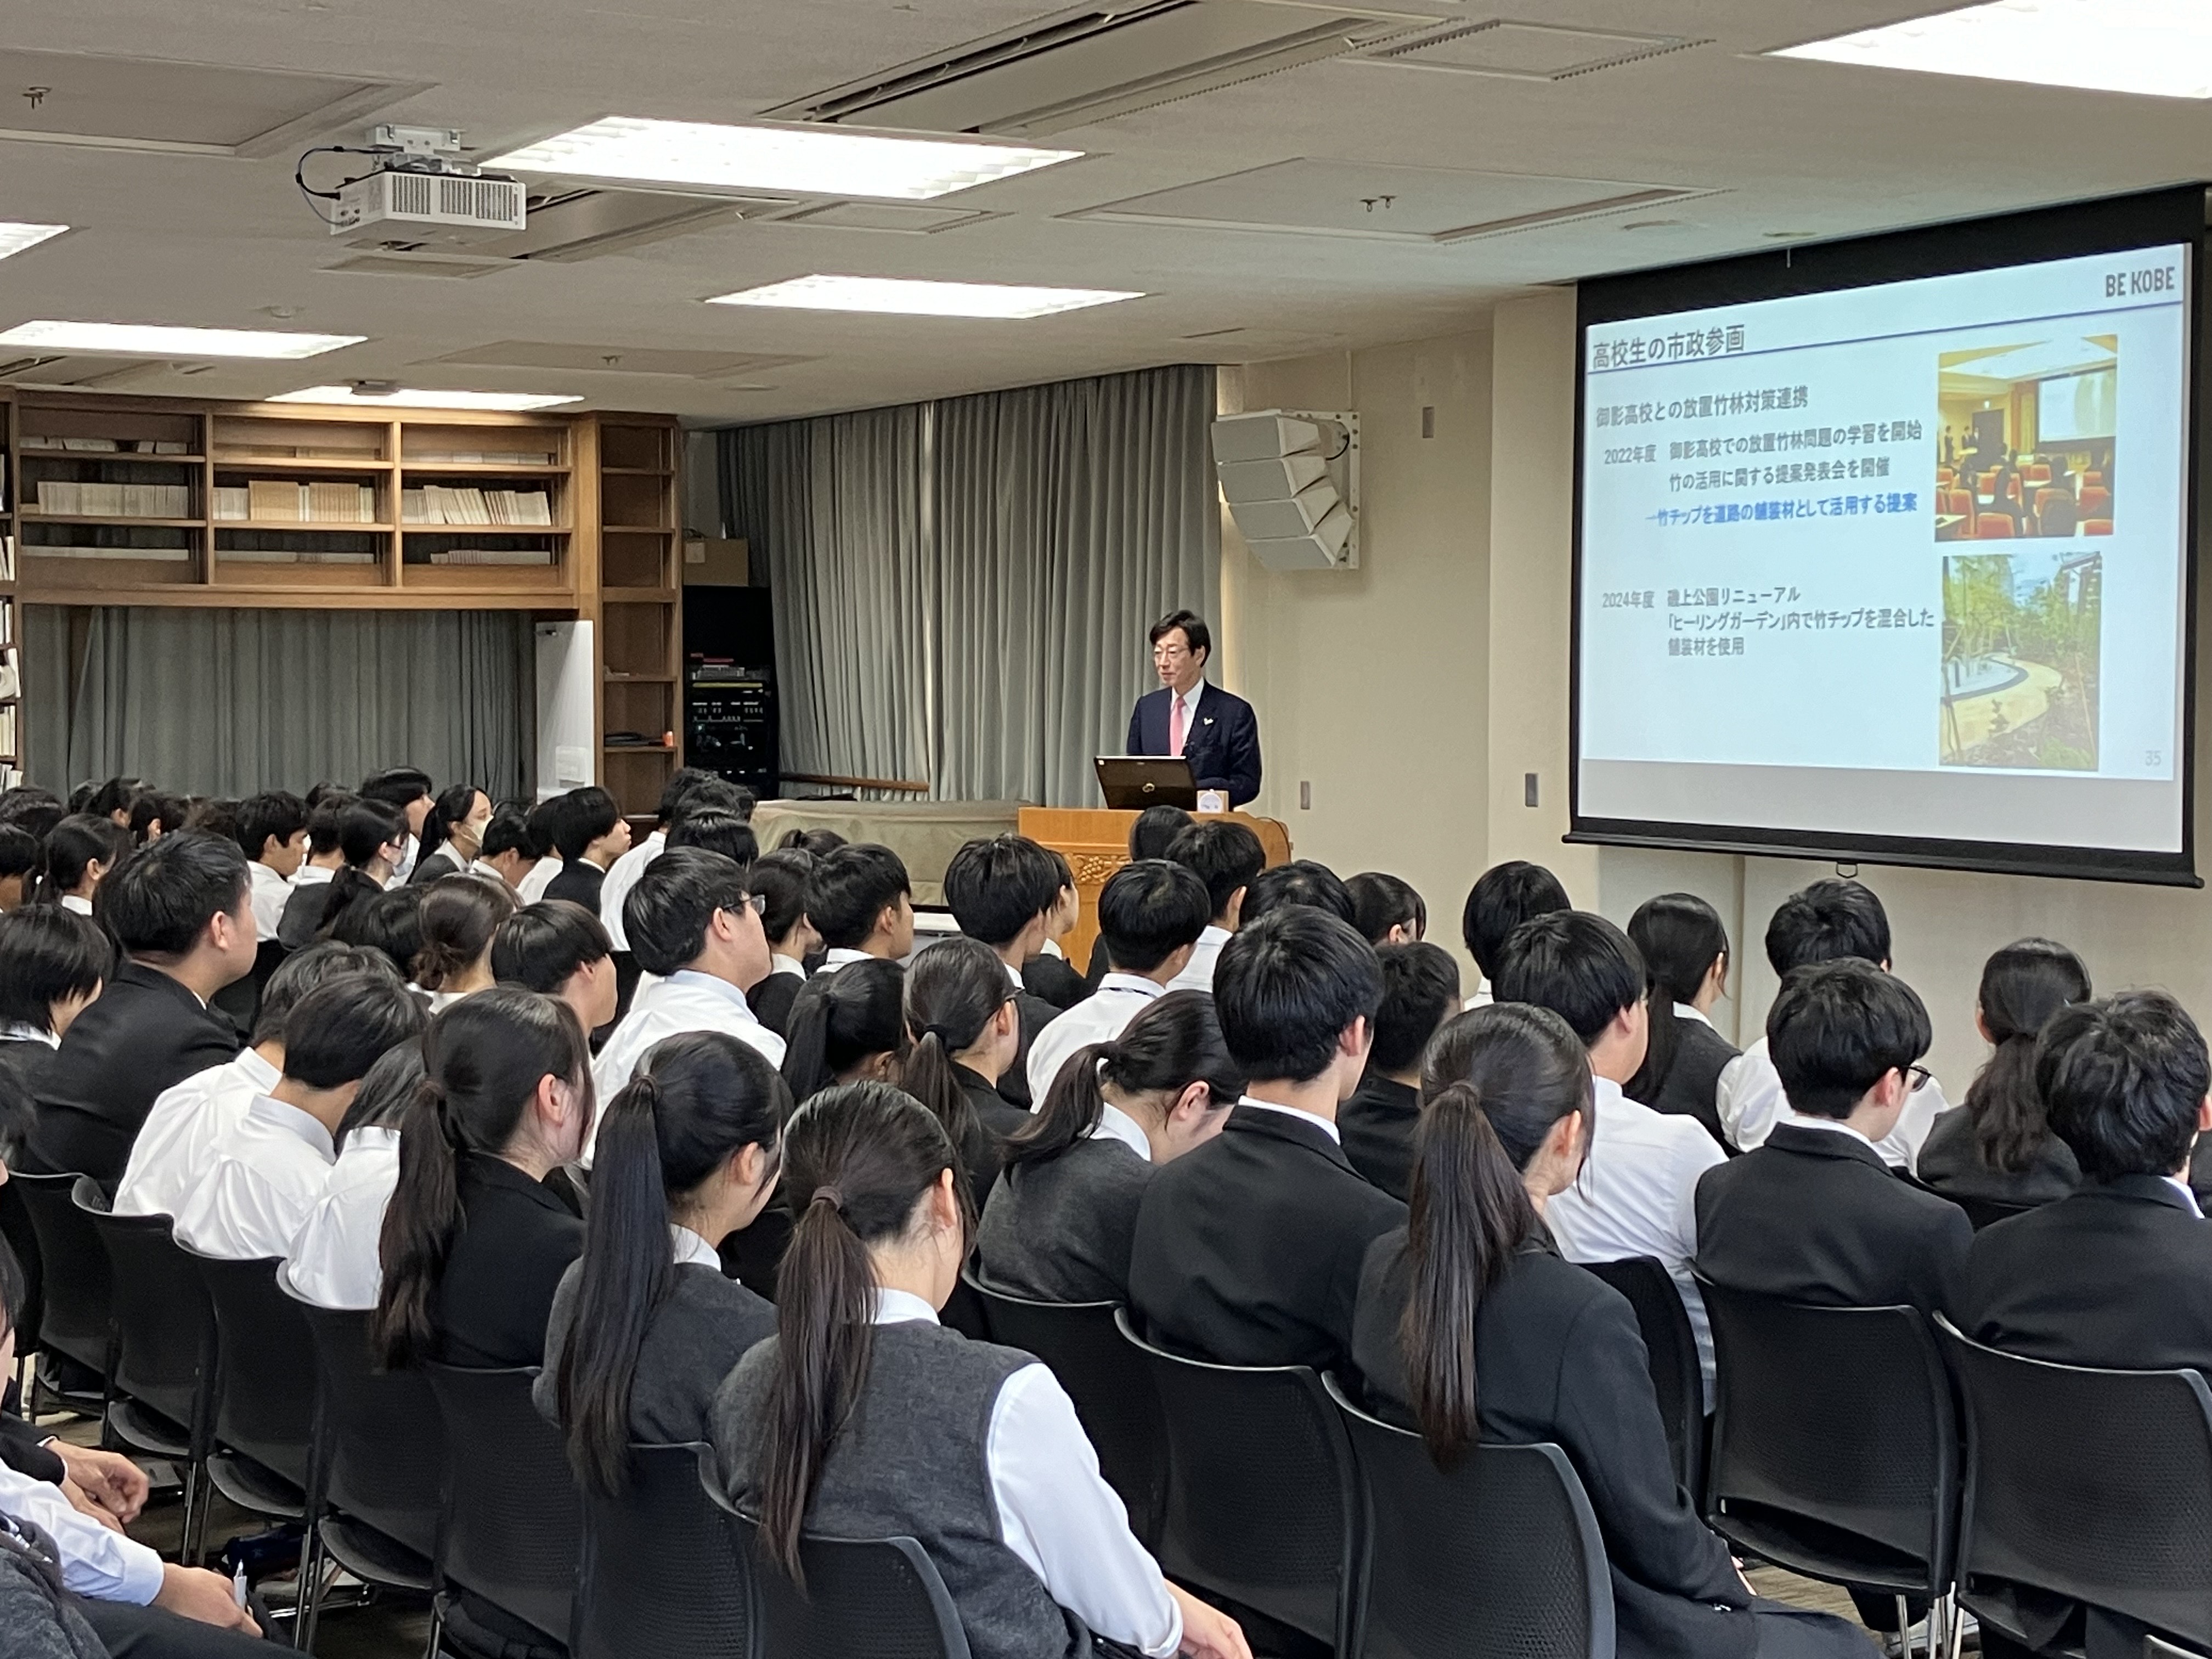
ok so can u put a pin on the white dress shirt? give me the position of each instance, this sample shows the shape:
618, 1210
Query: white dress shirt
1326, 1125
1189, 702
176, 1143
312, 875
266, 891
1750, 1102
265, 1178
1099, 1018
1481, 998
96, 1563
74, 901
1115, 1124
2189, 1193
1057, 1513
780, 964
538, 878
1198, 973
687, 1000
692, 1250
333, 1261
840, 955
1636, 1196
621, 876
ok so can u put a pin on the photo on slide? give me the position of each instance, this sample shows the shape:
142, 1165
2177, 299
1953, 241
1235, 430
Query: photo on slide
2021, 635
2024, 444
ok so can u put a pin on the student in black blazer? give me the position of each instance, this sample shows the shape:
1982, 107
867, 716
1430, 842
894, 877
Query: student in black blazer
452, 833
590, 833
179, 910
1685, 951
1001, 890
778, 881
963, 1028
1420, 992
1220, 733
1815, 1215
475, 1243
1248, 1250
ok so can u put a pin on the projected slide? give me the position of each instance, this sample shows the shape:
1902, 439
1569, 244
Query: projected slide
1902, 561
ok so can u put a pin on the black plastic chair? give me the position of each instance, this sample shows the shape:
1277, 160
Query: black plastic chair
514, 1527
659, 1574
1986, 1212
163, 1381
1835, 1444
1110, 1383
265, 1415
2091, 1485
75, 1317
1498, 1558
1671, 1346
1263, 1498
876, 1598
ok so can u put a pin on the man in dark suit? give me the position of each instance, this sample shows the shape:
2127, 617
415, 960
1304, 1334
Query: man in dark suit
1001, 890
179, 909
1420, 992
1216, 732
1248, 1248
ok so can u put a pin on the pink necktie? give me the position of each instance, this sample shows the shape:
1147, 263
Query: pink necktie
1175, 725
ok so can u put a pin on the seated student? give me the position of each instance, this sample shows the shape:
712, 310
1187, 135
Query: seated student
453, 831
474, 1241
303, 906
272, 833
333, 1262
1828, 921
53, 964
1685, 952
1815, 1214
171, 1154
846, 1030
642, 1334
372, 841
505, 855
20, 856
1386, 910
1001, 890
1151, 834
1502, 897
178, 910
561, 950
1059, 1224
963, 1034
1471, 1329
1049, 974
1420, 992
1226, 857
267, 1174
864, 1417
461, 916
1302, 881
590, 833
80, 852
389, 923
156, 813
816, 843
1634, 1195
26, 806
716, 830
623, 873
538, 823
860, 901
407, 791
1247, 1248
1998, 1146
779, 879
1150, 915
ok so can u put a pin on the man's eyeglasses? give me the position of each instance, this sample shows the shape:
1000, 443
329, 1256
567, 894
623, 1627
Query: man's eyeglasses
1917, 1078
756, 902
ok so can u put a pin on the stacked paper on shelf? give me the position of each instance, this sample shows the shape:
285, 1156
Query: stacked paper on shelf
120, 501
438, 504
493, 555
283, 501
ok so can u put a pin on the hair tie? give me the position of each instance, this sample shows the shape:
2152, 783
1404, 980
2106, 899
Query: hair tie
830, 1196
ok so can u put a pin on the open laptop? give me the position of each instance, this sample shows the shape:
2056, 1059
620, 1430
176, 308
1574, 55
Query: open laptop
1133, 782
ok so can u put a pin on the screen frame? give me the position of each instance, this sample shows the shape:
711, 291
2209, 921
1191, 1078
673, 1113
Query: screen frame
2113, 225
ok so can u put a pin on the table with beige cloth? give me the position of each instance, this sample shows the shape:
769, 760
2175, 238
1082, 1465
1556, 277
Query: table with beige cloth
926, 833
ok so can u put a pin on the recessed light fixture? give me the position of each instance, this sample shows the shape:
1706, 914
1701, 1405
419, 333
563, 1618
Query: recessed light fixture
158, 340
413, 397
908, 296
805, 161
2161, 48
15, 236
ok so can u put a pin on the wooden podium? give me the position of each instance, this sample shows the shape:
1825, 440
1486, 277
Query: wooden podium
1095, 841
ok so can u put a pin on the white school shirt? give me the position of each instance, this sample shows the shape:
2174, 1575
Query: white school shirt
1057, 1513
1189, 702
1326, 1125
333, 1262
840, 955
538, 878
312, 875
1115, 1124
74, 902
176, 1143
687, 1000
96, 1563
1636, 1196
1481, 998
1749, 1100
1198, 973
621, 876
1099, 1018
265, 1178
782, 964
266, 892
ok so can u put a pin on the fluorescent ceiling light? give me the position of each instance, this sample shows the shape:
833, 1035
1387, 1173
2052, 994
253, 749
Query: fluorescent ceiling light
910, 297
15, 237
2160, 47
418, 399
805, 161
156, 340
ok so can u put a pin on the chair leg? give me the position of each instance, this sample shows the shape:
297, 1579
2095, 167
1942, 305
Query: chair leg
1957, 1619
312, 1585
1905, 1630
437, 1624
188, 1541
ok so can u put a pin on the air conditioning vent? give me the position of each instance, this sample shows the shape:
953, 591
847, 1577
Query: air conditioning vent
1078, 67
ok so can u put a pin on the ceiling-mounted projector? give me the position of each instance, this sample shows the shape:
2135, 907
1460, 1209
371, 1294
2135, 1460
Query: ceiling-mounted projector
418, 184
1291, 480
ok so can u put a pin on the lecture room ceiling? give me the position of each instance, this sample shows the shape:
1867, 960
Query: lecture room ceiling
1702, 149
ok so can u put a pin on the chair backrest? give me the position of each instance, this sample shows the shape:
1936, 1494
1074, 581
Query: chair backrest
2093, 1485
265, 1401
659, 1572
2096, 526
2095, 502
871, 1598
1986, 1212
1992, 527
1262, 1495
1671, 1347
1497, 1557
77, 1287
1839, 1417
384, 1451
513, 1518
165, 1356
2054, 513
2038, 472
1111, 1386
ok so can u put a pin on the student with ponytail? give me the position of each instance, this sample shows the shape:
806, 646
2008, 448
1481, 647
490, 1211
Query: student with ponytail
846, 1030
1999, 1147
80, 850
460, 915
864, 1417
642, 1333
1470, 1327
1685, 955
963, 1017
452, 834
474, 1243
373, 839
1060, 1222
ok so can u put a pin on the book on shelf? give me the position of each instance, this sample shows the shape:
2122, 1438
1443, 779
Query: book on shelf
7, 558
488, 458
11, 674
438, 504
108, 445
157, 555
7, 621
289, 555
280, 501
118, 500
493, 555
